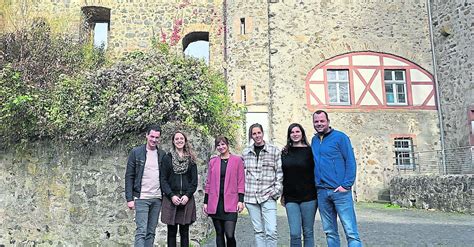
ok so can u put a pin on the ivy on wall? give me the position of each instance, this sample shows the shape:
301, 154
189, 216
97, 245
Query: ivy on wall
52, 87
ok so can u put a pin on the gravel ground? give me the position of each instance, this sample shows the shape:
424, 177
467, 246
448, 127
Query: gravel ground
380, 225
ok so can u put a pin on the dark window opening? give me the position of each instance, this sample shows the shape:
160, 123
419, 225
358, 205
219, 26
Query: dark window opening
242, 25
243, 94
96, 25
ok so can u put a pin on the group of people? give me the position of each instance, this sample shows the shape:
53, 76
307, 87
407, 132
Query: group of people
304, 177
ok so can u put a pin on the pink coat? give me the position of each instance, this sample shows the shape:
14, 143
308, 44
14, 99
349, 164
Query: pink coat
233, 185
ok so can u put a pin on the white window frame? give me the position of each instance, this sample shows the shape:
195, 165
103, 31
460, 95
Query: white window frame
404, 153
338, 83
395, 84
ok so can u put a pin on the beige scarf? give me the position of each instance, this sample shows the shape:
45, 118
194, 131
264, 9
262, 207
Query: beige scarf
180, 164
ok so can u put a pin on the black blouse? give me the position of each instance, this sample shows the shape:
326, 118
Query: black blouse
298, 175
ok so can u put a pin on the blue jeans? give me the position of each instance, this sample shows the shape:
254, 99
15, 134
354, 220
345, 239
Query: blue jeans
264, 221
332, 204
147, 212
301, 216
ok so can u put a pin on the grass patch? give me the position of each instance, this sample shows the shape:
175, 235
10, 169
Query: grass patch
389, 205
378, 205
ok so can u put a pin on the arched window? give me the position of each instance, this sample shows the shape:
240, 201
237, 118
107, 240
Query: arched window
196, 44
369, 80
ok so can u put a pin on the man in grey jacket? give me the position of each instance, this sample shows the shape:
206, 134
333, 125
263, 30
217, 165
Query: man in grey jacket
142, 186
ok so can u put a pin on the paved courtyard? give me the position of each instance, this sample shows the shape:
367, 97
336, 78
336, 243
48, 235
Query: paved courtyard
380, 225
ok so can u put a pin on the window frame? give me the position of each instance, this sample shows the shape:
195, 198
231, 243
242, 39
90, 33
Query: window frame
338, 83
394, 83
399, 151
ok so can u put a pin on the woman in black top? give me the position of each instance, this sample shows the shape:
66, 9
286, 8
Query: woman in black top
224, 192
299, 189
178, 177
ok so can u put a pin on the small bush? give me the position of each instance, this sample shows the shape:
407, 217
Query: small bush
42, 57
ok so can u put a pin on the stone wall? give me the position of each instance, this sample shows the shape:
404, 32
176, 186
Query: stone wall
306, 33
453, 33
133, 23
445, 193
248, 53
373, 144
284, 40
60, 196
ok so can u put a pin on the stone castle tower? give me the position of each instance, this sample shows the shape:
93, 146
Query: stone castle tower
396, 76
369, 63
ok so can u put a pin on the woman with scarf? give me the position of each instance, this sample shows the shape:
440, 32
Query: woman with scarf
178, 177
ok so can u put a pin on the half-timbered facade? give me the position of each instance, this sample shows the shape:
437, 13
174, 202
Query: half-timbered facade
369, 80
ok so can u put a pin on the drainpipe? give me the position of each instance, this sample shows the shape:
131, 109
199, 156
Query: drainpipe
438, 98
224, 12
270, 84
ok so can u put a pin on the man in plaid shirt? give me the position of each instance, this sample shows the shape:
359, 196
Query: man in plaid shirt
263, 186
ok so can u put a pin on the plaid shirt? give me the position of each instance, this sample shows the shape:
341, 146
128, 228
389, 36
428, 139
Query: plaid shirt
263, 179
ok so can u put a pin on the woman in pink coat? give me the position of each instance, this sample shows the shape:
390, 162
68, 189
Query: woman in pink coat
224, 190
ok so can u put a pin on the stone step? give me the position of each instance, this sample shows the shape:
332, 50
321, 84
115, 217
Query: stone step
384, 195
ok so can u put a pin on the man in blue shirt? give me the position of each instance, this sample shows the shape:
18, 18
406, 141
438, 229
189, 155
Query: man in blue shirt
335, 172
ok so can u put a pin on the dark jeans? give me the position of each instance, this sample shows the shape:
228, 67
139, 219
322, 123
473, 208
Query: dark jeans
147, 212
183, 233
227, 229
